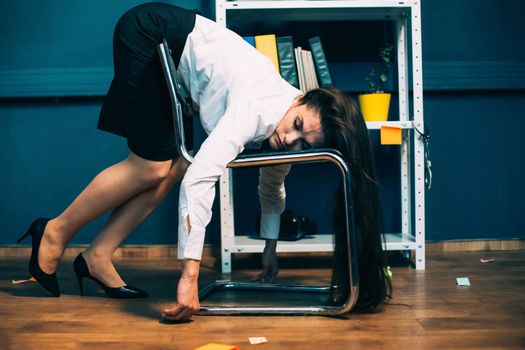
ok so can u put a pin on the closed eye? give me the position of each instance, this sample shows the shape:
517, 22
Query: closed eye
298, 125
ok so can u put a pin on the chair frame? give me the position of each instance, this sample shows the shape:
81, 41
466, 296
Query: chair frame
268, 159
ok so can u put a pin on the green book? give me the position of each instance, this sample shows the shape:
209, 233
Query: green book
286, 55
321, 66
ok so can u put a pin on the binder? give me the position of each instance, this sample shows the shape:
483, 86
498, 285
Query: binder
321, 65
286, 56
267, 45
250, 40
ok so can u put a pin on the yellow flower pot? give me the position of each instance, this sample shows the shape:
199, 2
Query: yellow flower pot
375, 106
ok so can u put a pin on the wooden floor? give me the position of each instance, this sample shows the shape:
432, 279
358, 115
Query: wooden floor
428, 310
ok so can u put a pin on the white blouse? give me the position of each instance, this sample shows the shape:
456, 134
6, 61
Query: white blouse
242, 99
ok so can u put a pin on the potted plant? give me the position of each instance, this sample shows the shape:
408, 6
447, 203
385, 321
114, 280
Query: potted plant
375, 103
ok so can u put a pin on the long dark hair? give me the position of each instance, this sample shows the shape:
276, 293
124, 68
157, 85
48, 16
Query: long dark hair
345, 130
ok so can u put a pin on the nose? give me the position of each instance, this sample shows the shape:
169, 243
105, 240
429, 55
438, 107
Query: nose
292, 141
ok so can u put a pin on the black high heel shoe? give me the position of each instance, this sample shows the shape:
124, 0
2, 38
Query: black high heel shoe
48, 281
124, 292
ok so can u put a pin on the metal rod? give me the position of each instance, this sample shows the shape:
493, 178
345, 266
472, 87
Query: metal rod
168, 67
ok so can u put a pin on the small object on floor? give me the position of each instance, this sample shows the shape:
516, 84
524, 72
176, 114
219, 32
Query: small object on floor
257, 340
215, 346
30, 279
463, 281
486, 261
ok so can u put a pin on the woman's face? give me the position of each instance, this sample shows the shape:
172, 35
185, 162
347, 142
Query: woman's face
299, 129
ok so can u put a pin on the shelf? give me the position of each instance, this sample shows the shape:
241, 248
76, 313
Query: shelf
316, 243
317, 10
406, 15
397, 124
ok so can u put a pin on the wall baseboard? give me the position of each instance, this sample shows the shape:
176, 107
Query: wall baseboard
213, 252
475, 245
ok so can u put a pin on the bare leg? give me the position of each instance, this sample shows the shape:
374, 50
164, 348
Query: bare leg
109, 189
122, 222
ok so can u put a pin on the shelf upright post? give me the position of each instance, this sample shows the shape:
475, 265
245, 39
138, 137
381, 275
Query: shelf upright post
227, 220
225, 186
405, 157
419, 147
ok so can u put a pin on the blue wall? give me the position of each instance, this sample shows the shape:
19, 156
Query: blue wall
56, 65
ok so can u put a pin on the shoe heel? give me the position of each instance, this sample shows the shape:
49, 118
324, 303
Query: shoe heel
80, 268
81, 285
24, 236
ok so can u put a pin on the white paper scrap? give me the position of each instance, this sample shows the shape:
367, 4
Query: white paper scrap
462, 281
258, 340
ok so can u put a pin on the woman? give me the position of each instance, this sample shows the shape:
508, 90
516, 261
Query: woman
242, 102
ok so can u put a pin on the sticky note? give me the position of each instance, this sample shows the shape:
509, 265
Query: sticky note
391, 135
462, 281
257, 340
214, 346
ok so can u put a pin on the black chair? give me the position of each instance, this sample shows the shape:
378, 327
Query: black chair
266, 159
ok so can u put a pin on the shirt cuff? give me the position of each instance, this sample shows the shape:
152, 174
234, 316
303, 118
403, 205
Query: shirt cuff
190, 245
270, 224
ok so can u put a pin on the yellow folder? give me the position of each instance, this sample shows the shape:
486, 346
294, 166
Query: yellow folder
267, 45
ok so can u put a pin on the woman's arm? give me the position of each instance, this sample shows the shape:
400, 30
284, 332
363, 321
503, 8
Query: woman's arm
225, 142
272, 196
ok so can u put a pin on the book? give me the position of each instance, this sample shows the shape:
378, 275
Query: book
308, 68
321, 65
287, 65
300, 70
267, 45
307, 76
250, 40
311, 68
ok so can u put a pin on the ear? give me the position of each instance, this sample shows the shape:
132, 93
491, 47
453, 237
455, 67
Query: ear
296, 101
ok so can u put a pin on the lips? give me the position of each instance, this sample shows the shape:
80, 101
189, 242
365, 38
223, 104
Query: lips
279, 142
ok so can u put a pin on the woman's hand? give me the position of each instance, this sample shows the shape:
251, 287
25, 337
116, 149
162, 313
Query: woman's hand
187, 293
269, 263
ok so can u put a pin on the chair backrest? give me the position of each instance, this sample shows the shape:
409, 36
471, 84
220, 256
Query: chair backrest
170, 73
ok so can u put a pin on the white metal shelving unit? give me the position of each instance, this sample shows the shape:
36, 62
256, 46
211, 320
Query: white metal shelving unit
407, 16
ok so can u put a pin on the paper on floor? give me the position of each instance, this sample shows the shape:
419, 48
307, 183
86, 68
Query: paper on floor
257, 340
462, 281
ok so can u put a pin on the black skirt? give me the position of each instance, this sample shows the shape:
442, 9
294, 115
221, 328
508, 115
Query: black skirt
137, 105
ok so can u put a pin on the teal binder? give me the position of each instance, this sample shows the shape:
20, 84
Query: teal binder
321, 66
286, 56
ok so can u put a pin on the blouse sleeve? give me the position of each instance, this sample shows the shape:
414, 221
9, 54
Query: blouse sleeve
237, 127
272, 196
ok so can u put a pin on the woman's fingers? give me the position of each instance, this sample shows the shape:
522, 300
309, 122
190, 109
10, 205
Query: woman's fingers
179, 313
187, 301
174, 313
